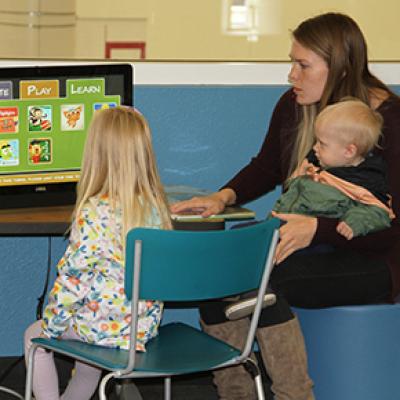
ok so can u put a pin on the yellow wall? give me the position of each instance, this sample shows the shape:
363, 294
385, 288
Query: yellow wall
37, 28
380, 23
112, 9
178, 29
192, 29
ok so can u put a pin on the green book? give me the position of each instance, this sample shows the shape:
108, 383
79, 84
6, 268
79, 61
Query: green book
230, 212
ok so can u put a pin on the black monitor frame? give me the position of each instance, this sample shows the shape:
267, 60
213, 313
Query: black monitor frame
55, 194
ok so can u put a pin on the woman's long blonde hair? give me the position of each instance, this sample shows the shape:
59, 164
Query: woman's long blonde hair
339, 41
118, 162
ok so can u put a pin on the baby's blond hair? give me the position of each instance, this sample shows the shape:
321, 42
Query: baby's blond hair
352, 122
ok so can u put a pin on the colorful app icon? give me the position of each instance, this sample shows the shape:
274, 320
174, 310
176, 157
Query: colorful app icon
104, 106
72, 117
40, 151
39, 118
8, 119
9, 152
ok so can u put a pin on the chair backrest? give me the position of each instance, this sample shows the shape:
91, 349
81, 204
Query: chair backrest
185, 265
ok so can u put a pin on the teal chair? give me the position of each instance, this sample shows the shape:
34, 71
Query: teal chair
181, 266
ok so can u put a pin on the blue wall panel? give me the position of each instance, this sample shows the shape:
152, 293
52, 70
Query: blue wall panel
23, 266
203, 135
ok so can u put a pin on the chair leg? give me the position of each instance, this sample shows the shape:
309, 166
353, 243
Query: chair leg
167, 388
254, 371
103, 384
11, 392
29, 373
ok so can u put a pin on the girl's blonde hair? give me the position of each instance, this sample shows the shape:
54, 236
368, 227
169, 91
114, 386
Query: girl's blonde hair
338, 40
118, 162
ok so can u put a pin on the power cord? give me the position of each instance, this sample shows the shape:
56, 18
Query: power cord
39, 315
39, 308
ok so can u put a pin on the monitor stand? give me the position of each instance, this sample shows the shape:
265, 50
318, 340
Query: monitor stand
37, 195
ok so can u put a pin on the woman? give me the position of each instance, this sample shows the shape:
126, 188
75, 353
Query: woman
329, 62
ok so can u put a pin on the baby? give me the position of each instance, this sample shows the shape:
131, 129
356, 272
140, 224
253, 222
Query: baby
341, 178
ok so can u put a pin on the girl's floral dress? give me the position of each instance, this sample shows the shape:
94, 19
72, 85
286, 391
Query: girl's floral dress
88, 294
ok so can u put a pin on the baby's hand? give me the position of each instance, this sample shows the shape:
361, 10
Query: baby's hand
345, 230
305, 168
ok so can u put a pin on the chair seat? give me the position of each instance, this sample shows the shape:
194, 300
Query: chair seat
177, 349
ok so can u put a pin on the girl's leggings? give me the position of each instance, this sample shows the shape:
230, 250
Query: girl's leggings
82, 384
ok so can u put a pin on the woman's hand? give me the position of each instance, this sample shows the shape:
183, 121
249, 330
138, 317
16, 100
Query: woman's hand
206, 205
296, 234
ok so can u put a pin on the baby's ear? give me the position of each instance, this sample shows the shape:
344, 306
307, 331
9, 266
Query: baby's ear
351, 150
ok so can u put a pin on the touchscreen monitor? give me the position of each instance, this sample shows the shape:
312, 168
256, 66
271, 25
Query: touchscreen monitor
45, 112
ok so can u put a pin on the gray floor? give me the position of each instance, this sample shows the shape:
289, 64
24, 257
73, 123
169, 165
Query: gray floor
193, 387
196, 388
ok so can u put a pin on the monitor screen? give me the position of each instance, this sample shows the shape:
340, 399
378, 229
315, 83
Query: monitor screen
45, 112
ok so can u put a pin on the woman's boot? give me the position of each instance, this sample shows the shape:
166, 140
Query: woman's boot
233, 383
285, 359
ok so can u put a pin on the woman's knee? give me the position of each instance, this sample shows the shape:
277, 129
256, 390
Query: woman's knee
213, 312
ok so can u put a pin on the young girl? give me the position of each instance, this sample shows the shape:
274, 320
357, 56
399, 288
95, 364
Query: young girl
119, 189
